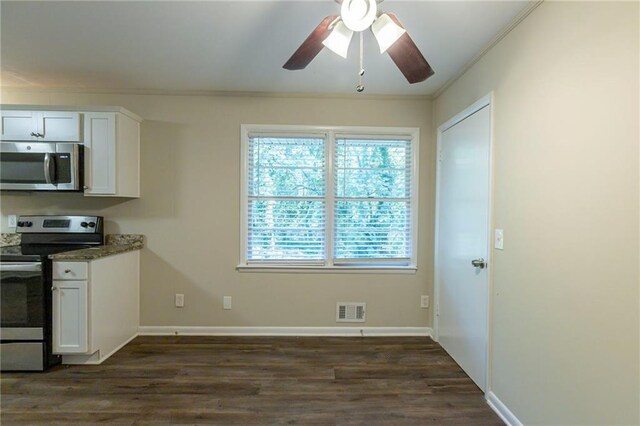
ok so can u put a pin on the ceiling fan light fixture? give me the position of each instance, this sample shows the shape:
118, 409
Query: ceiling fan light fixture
339, 39
358, 15
386, 32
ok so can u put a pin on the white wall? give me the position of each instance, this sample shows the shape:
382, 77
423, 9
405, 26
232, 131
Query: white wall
189, 211
565, 314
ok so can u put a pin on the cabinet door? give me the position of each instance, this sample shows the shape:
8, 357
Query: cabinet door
70, 317
60, 126
19, 125
100, 153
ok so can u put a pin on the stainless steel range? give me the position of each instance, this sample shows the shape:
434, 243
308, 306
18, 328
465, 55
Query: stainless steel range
26, 286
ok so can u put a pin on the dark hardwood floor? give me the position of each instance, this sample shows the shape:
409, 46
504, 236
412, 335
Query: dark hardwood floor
253, 380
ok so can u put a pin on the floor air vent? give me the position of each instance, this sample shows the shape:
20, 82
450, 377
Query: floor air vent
350, 312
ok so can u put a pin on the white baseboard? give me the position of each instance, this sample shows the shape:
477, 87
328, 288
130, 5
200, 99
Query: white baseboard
122, 345
501, 410
95, 358
284, 331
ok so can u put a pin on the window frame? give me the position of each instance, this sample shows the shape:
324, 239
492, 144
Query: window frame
329, 134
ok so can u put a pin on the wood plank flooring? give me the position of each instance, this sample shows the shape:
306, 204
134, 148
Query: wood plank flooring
253, 381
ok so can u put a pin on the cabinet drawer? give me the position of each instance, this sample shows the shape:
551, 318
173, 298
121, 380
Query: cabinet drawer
70, 270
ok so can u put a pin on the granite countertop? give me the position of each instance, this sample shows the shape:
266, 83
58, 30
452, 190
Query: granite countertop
115, 244
7, 239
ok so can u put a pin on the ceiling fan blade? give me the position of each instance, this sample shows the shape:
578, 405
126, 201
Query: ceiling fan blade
310, 48
408, 57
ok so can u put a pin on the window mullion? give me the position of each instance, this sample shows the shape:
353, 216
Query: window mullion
330, 197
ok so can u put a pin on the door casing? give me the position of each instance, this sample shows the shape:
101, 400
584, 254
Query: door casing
487, 100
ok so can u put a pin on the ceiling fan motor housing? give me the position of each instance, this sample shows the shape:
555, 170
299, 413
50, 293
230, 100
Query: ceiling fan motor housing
358, 15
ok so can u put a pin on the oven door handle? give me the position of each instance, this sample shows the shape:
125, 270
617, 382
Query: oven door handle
47, 168
21, 266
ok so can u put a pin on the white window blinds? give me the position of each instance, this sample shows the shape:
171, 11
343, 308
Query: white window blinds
318, 197
373, 194
286, 199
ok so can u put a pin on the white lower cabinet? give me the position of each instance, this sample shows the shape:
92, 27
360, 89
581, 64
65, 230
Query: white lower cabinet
70, 308
94, 317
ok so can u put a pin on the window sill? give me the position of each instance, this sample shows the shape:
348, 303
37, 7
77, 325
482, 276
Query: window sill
300, 269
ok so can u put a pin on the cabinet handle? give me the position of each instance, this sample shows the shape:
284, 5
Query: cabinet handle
66, 271
85, 187
34, 134
40, 135
54, 288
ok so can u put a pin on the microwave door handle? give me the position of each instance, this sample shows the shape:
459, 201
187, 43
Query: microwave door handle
47, 168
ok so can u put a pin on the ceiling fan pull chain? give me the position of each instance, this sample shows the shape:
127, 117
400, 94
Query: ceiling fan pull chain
360, 86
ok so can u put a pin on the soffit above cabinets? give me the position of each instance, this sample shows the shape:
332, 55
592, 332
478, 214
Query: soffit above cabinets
229, 45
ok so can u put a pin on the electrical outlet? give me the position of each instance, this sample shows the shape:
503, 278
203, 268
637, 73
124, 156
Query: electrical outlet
424, 301
179, 300
12, 221
226, 302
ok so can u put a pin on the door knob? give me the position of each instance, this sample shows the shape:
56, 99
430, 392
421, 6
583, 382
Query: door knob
479, 263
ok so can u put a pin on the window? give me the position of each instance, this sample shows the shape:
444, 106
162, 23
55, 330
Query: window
329, 198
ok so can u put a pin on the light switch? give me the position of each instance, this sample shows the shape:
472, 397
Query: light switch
226, 302
499, 239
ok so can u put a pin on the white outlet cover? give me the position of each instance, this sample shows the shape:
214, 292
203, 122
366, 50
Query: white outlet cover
226, 302
12, 221
424, 301
499, 239
179, 300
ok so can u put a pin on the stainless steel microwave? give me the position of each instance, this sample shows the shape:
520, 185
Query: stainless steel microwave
40, 166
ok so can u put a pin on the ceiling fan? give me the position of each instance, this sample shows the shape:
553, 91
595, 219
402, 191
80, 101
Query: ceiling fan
335, 33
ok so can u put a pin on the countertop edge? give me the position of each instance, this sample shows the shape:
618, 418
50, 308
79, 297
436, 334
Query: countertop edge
85, 255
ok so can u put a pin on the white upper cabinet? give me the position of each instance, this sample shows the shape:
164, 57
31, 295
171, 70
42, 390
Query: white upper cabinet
110, 135
19, 125
112, 155
44, 126
60, 126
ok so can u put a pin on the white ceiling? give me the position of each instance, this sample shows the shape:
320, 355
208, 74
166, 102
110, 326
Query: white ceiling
228, 45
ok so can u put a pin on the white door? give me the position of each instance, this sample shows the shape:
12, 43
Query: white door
462, 238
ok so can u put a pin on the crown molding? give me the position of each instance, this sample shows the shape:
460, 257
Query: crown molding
502, 34
212, 93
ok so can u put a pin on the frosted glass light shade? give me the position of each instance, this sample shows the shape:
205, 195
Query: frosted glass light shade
339, 39
386, 31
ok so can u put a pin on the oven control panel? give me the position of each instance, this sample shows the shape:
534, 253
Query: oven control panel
59, 224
